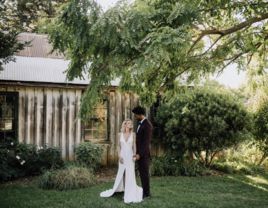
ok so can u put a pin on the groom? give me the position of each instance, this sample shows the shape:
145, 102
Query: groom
143, 143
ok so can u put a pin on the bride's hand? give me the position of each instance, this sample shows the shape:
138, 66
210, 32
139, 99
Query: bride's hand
134, 159
121, 160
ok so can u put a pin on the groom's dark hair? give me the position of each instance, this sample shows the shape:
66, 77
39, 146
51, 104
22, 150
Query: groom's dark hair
139, 110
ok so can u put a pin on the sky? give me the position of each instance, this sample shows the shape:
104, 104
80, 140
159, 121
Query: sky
229, 77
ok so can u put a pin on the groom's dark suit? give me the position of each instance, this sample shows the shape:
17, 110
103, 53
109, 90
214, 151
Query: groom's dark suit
143, 143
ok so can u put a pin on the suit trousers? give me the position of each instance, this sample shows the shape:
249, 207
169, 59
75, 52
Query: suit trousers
143, 165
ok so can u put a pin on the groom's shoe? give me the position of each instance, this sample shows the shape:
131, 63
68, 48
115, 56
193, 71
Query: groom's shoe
146, 197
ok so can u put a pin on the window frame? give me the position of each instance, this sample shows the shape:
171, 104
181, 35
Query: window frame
95, 118
16, 107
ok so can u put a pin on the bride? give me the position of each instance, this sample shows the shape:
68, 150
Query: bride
126, 179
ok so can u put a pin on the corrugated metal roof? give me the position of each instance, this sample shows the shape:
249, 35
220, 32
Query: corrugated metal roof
30, 69
39, 46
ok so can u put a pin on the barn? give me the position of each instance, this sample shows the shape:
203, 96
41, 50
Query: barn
38, 105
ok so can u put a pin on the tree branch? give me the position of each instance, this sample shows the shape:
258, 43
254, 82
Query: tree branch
228, 31
174, 78
209, 48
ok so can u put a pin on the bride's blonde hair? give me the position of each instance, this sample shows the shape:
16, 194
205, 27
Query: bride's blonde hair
123, 129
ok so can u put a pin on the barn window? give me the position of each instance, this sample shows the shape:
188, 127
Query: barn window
8, 115
92, 132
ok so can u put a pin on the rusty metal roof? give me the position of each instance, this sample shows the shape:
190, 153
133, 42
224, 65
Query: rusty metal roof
32, 69
39, 46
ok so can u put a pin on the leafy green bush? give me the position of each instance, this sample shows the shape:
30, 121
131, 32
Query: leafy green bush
71, 176
166, 166
30, 159
260, 132
8, 167
34, 159
203, 120
89, 154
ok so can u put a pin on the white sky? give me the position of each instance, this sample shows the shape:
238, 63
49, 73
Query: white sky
229, 77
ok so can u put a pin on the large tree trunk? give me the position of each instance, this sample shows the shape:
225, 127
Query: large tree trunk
199, 157
262, 159
212, 157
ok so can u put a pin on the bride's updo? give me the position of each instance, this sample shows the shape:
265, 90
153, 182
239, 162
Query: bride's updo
123, 129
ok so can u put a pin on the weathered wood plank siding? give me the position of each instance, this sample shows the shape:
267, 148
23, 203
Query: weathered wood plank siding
47, 115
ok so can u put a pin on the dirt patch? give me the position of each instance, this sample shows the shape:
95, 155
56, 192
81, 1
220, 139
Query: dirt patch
106, 174
21, 181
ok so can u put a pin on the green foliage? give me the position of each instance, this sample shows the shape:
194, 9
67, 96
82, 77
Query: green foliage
203, 120
7, 171
261, 126
153, 45
34, 159
10, 45
90, 154
72, 176
166, 166
30, 159
17, 12
237, 165
244, 159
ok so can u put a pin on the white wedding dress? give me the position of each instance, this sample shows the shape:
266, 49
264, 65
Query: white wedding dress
132, 192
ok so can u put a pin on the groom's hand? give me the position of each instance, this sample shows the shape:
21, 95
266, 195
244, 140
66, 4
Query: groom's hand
137, 157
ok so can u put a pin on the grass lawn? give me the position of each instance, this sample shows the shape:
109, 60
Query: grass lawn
220, 191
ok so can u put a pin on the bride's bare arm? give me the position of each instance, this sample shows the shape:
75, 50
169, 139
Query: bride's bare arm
134, 147
119, 149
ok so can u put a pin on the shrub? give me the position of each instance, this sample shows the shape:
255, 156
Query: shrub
166, 166
202, 120
34, 159
30, 159
89, 154
7, 168
71, 176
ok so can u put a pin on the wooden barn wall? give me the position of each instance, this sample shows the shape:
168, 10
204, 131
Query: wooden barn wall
46, 116
120, 109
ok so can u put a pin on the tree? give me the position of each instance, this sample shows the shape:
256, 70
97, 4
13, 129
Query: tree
9, 46
203, 120
9, 41
23, 15
152, 44
240, 94
258, 105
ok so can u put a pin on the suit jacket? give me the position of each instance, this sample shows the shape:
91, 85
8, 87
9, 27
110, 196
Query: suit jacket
143, 140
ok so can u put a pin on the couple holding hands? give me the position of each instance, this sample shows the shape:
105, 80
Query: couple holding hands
133, 147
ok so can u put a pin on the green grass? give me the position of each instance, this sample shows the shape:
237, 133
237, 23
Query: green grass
221, 191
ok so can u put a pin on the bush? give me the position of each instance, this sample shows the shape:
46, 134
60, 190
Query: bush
34, 159
71, 176
30, 159
166, 166
260, 127
89, 154
202, 120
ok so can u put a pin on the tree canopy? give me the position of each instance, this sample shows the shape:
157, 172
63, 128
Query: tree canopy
23, 15
153, 45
